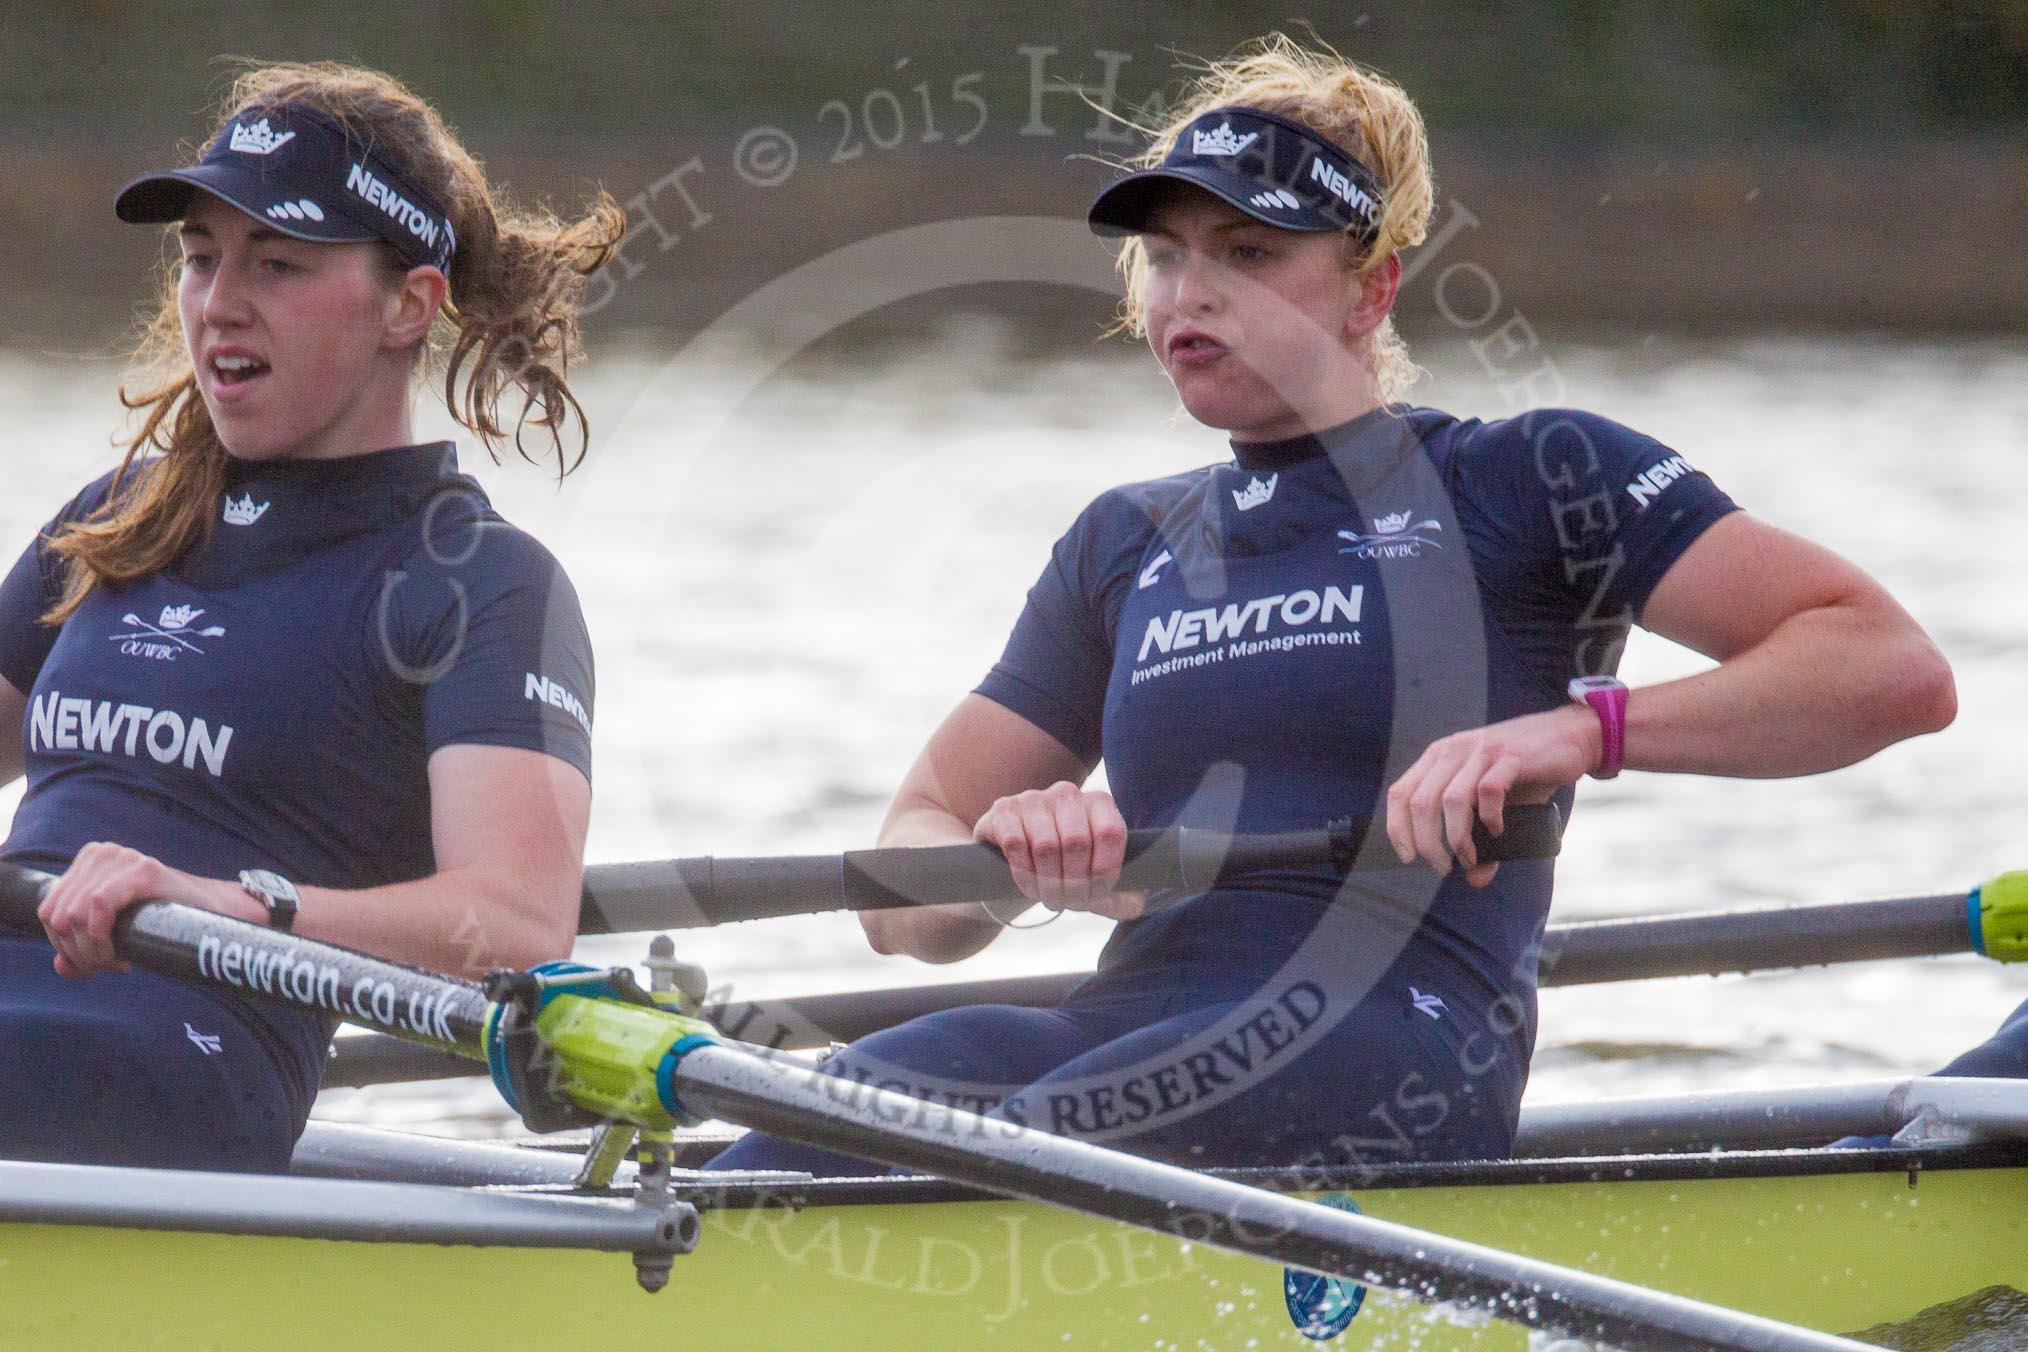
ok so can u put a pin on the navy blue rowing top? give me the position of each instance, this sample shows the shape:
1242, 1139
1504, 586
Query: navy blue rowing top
272, 699
1267, 644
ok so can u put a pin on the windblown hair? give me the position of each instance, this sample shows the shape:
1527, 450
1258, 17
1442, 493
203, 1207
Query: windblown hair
1364, 112
508, 323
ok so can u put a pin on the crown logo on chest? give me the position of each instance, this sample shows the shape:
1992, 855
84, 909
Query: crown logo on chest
242, 511
1256, 492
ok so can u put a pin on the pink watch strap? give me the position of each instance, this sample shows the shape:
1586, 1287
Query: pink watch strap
1607, 697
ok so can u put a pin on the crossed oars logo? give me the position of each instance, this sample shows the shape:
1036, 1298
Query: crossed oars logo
174, 627
1392, 538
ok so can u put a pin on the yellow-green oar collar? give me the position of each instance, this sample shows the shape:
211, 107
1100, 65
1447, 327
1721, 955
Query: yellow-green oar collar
1997, 912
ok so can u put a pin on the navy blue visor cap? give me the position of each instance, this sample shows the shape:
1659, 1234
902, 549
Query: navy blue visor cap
306, 175
1274, 170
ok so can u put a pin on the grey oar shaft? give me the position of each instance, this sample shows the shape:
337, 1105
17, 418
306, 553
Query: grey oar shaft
1572, 955
739, 1086
1754, 941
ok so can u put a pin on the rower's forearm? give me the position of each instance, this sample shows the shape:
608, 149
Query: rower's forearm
930, 933
1827, 688
922, 823
466, 922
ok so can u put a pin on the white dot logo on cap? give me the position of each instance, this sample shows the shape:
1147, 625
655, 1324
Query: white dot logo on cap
302, 209
1280, 199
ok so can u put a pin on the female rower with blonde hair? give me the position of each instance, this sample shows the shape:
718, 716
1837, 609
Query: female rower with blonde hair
284, 663
1372, 608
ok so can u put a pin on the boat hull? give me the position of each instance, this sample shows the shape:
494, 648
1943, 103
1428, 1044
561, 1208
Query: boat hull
917, 1264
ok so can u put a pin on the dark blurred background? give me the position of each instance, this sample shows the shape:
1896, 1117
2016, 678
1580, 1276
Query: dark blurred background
1721, 164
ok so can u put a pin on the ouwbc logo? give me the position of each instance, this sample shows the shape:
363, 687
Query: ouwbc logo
167, 638
1392, 538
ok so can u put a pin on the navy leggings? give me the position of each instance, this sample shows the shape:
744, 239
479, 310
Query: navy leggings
132, 1068
1272, 1075
2004, 1055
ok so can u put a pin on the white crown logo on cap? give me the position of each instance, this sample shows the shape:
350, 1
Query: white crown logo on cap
1221, 142
259, 139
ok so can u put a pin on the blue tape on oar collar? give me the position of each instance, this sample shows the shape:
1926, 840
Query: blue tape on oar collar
1972, 922
665, 1075
556, 982
496, 1055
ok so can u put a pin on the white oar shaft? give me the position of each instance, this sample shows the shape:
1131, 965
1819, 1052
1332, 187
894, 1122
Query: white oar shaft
739, 1086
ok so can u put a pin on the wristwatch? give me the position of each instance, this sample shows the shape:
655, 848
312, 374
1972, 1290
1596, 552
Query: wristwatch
275, 892
1607, 696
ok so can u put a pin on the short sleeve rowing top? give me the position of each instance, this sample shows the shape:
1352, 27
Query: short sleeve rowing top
272, 699
1266, 644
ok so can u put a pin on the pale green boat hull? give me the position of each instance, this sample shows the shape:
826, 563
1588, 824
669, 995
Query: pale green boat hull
861, 1266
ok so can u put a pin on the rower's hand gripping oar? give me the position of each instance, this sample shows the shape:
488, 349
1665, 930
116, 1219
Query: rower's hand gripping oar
680, 893
608, 1052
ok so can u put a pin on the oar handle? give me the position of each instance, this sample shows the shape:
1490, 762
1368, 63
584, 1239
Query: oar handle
678, 893
1186, 858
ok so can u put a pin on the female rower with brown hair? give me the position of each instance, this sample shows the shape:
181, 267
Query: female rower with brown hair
284, 663
1372, 608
